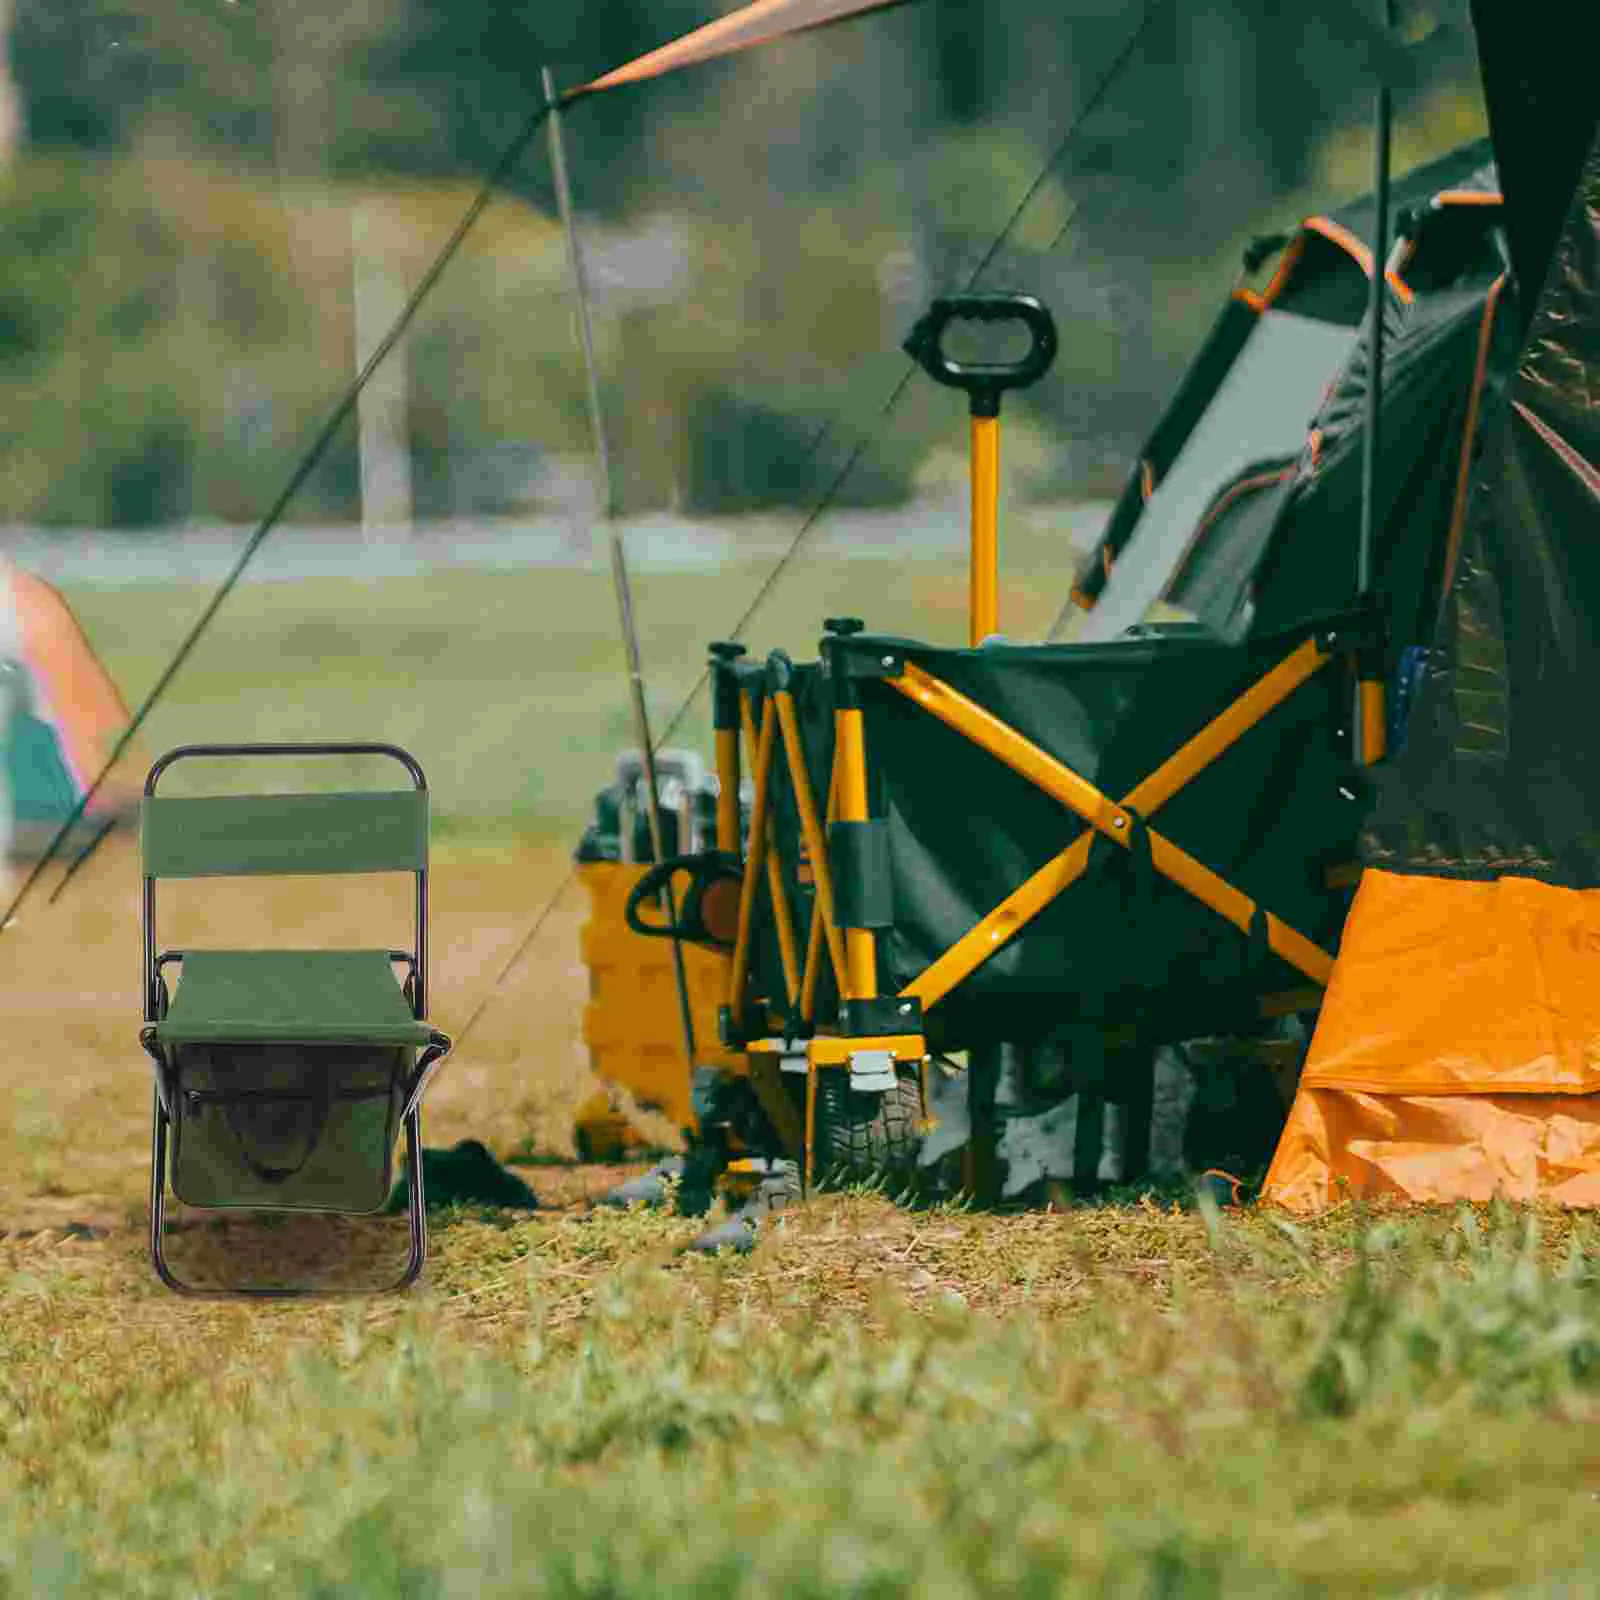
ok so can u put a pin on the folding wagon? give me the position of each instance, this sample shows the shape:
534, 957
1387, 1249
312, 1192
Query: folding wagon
1035, 851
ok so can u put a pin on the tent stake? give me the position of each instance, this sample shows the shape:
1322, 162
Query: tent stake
1370, 718
619, 564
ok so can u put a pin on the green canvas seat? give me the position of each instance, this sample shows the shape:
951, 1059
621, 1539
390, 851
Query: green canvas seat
282, 996
284, 1077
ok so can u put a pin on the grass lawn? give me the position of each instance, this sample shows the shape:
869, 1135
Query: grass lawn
1131, 1400
1118, 1401
874, 1403
509, 687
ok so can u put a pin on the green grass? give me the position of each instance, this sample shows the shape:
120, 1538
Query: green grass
1114, 1402
1133, 1399
510, 687
499, 683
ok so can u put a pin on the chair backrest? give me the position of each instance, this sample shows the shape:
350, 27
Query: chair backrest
276, 835
283, 834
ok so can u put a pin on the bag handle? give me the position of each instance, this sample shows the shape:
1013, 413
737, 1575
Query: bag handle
321, 1099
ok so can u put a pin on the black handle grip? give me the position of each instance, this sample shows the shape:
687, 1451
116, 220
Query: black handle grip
649, 887
983, 380
706, 871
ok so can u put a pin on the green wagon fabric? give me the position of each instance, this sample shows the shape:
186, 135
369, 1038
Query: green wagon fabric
962, 830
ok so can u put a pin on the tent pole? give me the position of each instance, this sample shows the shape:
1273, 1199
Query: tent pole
1370, 718
619, 564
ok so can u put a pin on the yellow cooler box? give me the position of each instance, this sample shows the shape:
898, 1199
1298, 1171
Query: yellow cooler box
632, 1023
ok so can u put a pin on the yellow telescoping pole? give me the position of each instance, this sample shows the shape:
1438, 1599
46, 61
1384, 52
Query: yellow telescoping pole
859, 980
1374, 721
860, 948
984, 590
984, 382
725, 724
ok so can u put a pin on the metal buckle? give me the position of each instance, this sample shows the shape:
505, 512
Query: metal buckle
872, 1071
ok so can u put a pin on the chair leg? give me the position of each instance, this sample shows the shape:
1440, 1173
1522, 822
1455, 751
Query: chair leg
416, 1217
158, 1200
416, 1202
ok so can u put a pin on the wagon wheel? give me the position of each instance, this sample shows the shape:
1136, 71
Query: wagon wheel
862, 1135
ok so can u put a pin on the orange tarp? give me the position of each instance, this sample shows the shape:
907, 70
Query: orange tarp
1458, 1051
754, 24
765, 20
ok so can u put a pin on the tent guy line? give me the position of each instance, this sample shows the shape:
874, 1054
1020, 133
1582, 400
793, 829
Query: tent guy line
1101, 88
869, 438
308, 464
503, 166
619, 560
758, 23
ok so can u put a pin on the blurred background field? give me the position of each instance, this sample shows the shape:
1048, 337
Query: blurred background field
209, 209
212, 211
508, 682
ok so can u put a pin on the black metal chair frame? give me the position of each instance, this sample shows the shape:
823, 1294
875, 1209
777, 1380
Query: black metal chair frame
157, 998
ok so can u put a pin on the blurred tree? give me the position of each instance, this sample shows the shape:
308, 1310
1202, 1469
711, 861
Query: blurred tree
463, 76
175, 270
10, 103
959, 54
90, 72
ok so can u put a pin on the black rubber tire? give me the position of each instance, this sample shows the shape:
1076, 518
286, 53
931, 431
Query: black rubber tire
864, 1136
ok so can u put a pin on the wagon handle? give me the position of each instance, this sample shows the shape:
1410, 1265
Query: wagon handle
983, 381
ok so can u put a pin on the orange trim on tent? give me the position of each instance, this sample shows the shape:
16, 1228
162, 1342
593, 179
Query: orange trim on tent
751, 25
78, 697
1287, 262
1469, 197
1261, 480
1458, 514
1341, 236
1336, 235
1458, 1050
1147, 479
1447, 986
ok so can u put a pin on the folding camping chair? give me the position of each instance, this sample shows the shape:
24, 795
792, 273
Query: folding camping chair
283, 1076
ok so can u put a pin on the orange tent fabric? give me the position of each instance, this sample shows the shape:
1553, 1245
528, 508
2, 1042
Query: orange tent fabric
1458, 1051
76, 695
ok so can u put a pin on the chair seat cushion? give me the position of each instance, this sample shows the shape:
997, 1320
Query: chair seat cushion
289, 996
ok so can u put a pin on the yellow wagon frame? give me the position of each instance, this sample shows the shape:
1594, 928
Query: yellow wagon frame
892, 1024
